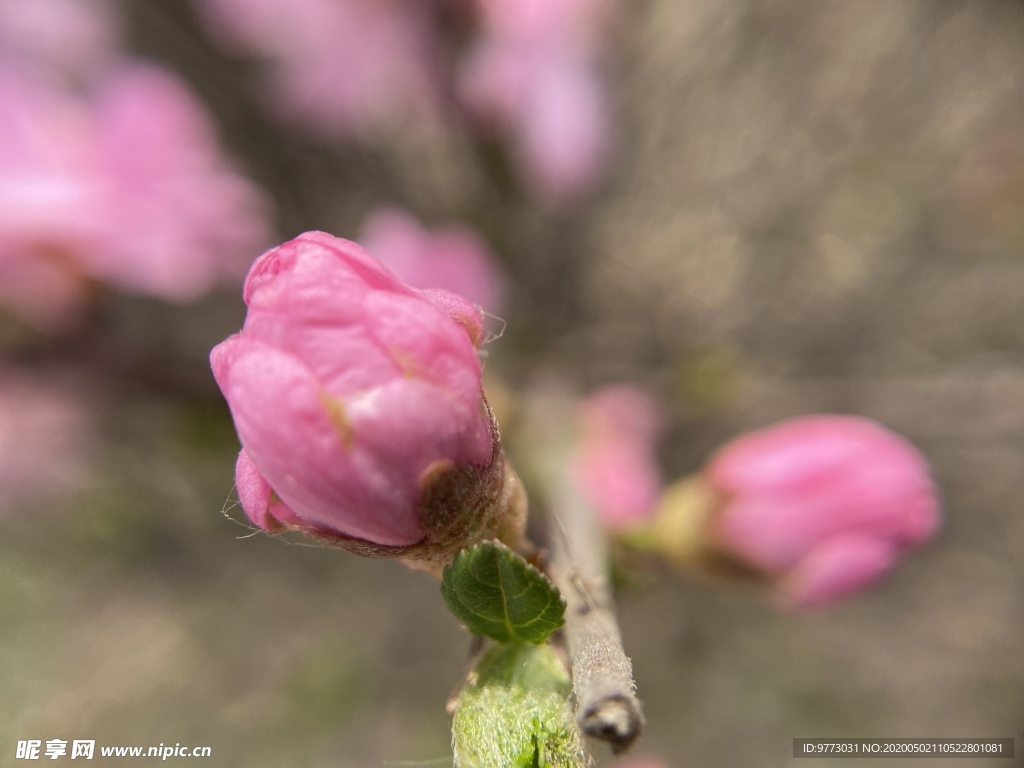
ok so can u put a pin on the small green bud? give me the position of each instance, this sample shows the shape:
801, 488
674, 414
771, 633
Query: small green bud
514, 712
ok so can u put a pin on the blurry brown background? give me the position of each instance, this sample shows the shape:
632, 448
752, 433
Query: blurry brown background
814, 206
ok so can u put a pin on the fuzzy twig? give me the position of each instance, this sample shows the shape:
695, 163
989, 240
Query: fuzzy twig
606, 704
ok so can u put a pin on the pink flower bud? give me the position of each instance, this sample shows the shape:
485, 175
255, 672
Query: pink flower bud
614, 465
359, 405
823, 505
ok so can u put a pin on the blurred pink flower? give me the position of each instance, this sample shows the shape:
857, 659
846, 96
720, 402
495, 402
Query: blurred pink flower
49, 197
563, 22
826, 504
535, 73
178, 218
357, 398
564, 132
337, 66
614, 465
71, 37
127, 188
44, 432
453, 258
621, 411
43, 291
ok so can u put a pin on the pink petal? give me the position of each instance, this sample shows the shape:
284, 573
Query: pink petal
835, 570
332, 483
257, 497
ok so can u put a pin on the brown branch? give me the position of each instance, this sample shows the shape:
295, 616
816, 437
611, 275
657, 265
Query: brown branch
602, 675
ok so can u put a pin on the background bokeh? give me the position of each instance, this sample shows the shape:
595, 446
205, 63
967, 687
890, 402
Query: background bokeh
807, 206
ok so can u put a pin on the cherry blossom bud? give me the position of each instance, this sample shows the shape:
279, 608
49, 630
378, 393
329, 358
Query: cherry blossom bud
360, 409
819, 506
614, 465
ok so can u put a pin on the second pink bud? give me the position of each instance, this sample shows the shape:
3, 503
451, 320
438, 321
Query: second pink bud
819, 506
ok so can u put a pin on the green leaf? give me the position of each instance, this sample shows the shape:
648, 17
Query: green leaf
496, 593
514, 712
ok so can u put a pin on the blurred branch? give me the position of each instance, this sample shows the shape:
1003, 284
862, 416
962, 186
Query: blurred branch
602, 675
